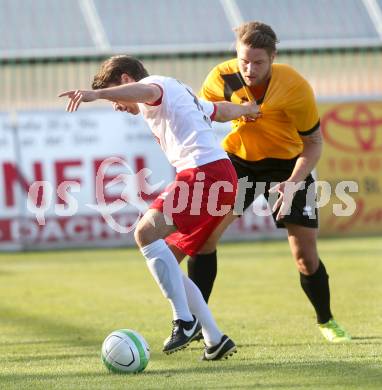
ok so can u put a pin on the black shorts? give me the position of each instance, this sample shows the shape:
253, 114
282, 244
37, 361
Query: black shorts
270, 171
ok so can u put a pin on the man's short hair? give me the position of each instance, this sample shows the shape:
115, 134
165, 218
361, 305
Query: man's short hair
257, 35
113, 68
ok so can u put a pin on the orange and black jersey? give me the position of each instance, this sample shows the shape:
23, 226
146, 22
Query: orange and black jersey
288, 110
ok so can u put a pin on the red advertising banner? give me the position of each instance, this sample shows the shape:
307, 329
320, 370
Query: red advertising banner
50, 164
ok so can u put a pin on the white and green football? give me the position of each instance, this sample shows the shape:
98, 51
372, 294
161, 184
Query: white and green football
125, 351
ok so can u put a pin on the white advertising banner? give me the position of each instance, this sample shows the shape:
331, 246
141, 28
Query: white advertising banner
84, 179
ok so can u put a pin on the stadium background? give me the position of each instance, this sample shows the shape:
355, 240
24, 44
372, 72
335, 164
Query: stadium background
51, 46
58, 306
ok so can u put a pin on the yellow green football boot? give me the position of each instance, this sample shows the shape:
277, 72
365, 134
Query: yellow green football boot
334, 332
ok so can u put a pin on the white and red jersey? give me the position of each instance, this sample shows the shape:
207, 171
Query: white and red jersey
182, 124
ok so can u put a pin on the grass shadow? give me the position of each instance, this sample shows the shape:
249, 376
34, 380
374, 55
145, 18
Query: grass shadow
336, 373
367, 338
57, 330
29, 342
50, 357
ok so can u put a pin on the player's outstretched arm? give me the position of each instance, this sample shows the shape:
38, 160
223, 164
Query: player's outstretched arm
227, 111
77, 97
126, 93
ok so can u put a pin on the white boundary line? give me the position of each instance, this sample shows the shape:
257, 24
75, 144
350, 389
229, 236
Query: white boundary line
349, 98
94, 24
232, 12
375, 14
200, 48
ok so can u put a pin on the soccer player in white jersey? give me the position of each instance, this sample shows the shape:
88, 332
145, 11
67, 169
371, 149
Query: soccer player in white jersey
182, 125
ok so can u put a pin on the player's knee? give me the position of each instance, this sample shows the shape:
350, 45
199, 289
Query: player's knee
138, 236
142, 236
209, 246
307, 264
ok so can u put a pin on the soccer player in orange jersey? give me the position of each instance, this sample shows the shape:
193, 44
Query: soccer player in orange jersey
283, 145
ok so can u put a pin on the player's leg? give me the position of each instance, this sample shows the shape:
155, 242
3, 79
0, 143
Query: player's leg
302, 225
314, 280
179, 255
202, 268
313, 277
149, 235
218, 345
198, 306
190, 240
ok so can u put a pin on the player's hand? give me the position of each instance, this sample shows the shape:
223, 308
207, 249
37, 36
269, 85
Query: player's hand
252, 111
77, 97
286, 190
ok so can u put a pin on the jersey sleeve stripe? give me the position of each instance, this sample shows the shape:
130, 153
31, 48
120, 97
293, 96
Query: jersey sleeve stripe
311, 131
212, 116
159, 101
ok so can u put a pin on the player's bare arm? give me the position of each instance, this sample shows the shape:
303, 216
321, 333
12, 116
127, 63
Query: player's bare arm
309, 156
304, 165
122, 94
227, 111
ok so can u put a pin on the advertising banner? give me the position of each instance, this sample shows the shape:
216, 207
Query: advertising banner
352, 165
84, 179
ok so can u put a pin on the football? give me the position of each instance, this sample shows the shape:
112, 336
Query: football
125, 351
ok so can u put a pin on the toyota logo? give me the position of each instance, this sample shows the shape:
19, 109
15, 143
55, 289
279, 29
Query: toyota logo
354, 128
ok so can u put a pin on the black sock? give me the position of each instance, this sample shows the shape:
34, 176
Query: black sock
316, 288
202, 271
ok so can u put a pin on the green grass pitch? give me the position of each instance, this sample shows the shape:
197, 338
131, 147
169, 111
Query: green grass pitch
57, 307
